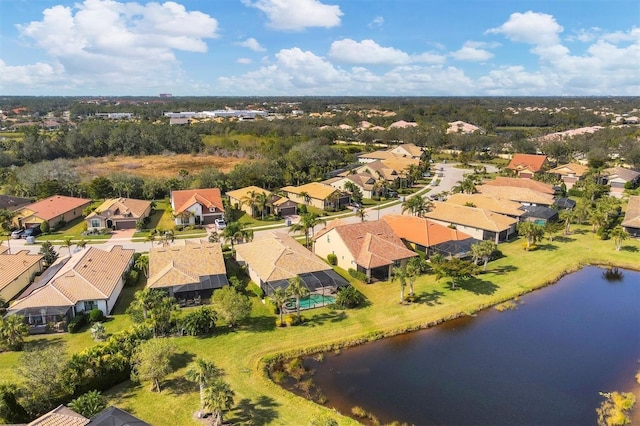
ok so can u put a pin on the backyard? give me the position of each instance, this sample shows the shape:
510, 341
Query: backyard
240, 352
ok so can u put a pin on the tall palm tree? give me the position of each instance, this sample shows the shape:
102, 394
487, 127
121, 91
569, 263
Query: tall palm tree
400, 275
483, 250
619, 234
279, 297
531, 231
203, 372
218, 397
142, 264
81, 244
13, 330
298, 290
262, 202
362, 214
151, 238
417, 205
567, 216
68, 243
415, 266
307, 222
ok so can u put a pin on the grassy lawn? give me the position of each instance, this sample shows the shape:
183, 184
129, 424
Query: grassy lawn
256, 222
239, 352
73, 230
162, 218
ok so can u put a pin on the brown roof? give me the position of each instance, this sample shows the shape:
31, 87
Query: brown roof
379, 155
180, 265
56, 205
422, 231
632, 216
240, 194
89, 275
622, 173
570, 169
61, 416
315, 190
277, 256
121, 208
371, 244
209, 197
10, 203
470, 216
496, 205
14, 265
411, 149
527, 161
522, 195
521, 183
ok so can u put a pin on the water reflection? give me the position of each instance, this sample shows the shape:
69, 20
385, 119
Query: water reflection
613, 275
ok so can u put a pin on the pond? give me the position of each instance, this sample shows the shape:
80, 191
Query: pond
541, 363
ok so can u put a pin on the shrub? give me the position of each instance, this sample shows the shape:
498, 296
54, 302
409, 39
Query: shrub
98, 332
44, 227
96, 315
132, 278
200, 322
237, 283
349, 297
77, 323
332, 259
358, 275
293, 319
359, 412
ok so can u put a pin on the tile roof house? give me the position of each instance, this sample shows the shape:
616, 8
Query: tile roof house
570, 173
535, 185
60, 416
92, 278
631, 221
429, 236
539, 214
118, 213
53, 210
406, 151
17, 271
272, 259
527, 165
197, 206
113, 416
480, 224
7, 202
364, 181
524, 196
187, 271
369, 247
501, 206
317, 194
617, 177
280, 206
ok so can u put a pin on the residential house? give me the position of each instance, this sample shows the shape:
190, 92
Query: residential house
540, 215
618, 177
89, 279
430, 237
197, 206
318, 195
368, 247
408, 150
527, 165
478, 223
110, 416
501, 206
118, 213
277, 205
54, 210
189, 271
113, 416
17, 271
7, 202
272, 259
364, 181
631, 221
370, 157
525, 196
534, 185
570, 173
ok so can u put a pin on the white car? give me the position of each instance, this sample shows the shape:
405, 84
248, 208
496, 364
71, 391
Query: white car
220, 224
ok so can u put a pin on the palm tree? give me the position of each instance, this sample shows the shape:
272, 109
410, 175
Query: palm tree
619, 234
81, 244
483, 250
13, 330
298, 290
531, 231
307, 222
151, 238
6, 219
466, 185
567, 216
400, 275
236, 232
417, 205
415, 267
214, 237
362, 214
142, 264
218, 397
262, 202
305, 195
68, 243
279, 297
203, 372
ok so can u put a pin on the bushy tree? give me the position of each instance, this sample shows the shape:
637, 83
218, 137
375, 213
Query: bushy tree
232, 306
349, 297
13, 330
151, 362
89, 404
199, 322
218, 398
49, 255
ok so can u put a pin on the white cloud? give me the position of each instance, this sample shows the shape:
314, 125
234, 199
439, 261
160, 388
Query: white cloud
377, 22
369, 52
471, 51
251, 43
585, 35
530, 27
244, 61
37, 74
296, 15
619, 36
100, 42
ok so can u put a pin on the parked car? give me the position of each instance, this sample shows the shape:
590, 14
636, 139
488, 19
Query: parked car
220, 224
17, 234
31, 232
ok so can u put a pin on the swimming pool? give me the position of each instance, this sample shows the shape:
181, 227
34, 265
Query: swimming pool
310, 302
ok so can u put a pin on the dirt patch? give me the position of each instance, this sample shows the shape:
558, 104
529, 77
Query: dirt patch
155, 165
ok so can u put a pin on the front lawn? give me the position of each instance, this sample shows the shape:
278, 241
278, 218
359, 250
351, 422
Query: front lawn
73, 230
240, 351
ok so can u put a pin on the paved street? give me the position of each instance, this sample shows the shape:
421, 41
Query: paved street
451, 175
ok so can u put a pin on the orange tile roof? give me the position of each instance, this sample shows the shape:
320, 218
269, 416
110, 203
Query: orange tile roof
470, 216
372, 244
521, 183
422, 231
208, 197
56, 205
527, 161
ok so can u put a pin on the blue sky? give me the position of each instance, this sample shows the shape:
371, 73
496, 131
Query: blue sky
320, 47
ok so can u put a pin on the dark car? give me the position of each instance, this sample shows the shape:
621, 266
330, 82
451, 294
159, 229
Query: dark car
31, 232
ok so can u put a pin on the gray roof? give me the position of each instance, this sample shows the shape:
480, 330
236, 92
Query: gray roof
113, 416
539, 212
7, 202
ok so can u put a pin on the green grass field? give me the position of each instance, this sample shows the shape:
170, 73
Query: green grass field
239, 352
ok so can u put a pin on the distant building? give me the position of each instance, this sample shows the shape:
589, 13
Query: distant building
526, 165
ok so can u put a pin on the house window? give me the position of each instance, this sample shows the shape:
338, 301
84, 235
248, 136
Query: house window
95, 223
89, 305
212, 209
396, 263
